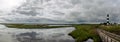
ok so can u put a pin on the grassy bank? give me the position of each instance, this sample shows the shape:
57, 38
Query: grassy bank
83, 32
111, 28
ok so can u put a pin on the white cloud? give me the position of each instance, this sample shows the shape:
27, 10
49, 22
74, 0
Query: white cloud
9, 5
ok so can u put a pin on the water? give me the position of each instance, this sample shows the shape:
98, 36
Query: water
35, 35
89, 40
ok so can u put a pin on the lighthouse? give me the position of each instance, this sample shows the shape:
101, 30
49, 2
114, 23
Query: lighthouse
107, 20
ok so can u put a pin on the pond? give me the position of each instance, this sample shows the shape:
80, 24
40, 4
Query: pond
36, 35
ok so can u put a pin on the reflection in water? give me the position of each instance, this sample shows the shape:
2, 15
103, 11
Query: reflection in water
28, 37
89, 40
36, 35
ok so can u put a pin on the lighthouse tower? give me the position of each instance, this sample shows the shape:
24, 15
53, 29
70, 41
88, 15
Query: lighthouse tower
107, 22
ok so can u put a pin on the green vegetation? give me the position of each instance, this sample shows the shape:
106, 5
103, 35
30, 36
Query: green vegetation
24, 26
84, 32
111, 28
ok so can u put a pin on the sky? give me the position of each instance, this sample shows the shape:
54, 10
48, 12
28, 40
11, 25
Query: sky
59, 11
8, 5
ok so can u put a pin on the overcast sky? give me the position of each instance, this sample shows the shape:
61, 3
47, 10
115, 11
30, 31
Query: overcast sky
59, 11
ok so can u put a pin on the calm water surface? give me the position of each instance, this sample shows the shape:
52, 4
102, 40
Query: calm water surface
35, 35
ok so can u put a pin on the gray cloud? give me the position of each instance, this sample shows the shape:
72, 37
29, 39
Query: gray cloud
65, 11
75, 1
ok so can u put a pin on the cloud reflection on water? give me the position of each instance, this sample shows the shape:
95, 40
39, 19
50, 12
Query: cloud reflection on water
36, 35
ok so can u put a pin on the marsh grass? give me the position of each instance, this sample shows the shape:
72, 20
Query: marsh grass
22, 26
84, 32
111, 28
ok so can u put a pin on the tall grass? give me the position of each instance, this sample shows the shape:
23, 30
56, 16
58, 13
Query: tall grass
111, 28
84, 32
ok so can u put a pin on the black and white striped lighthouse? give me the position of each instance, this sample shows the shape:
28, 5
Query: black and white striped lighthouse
108, 22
